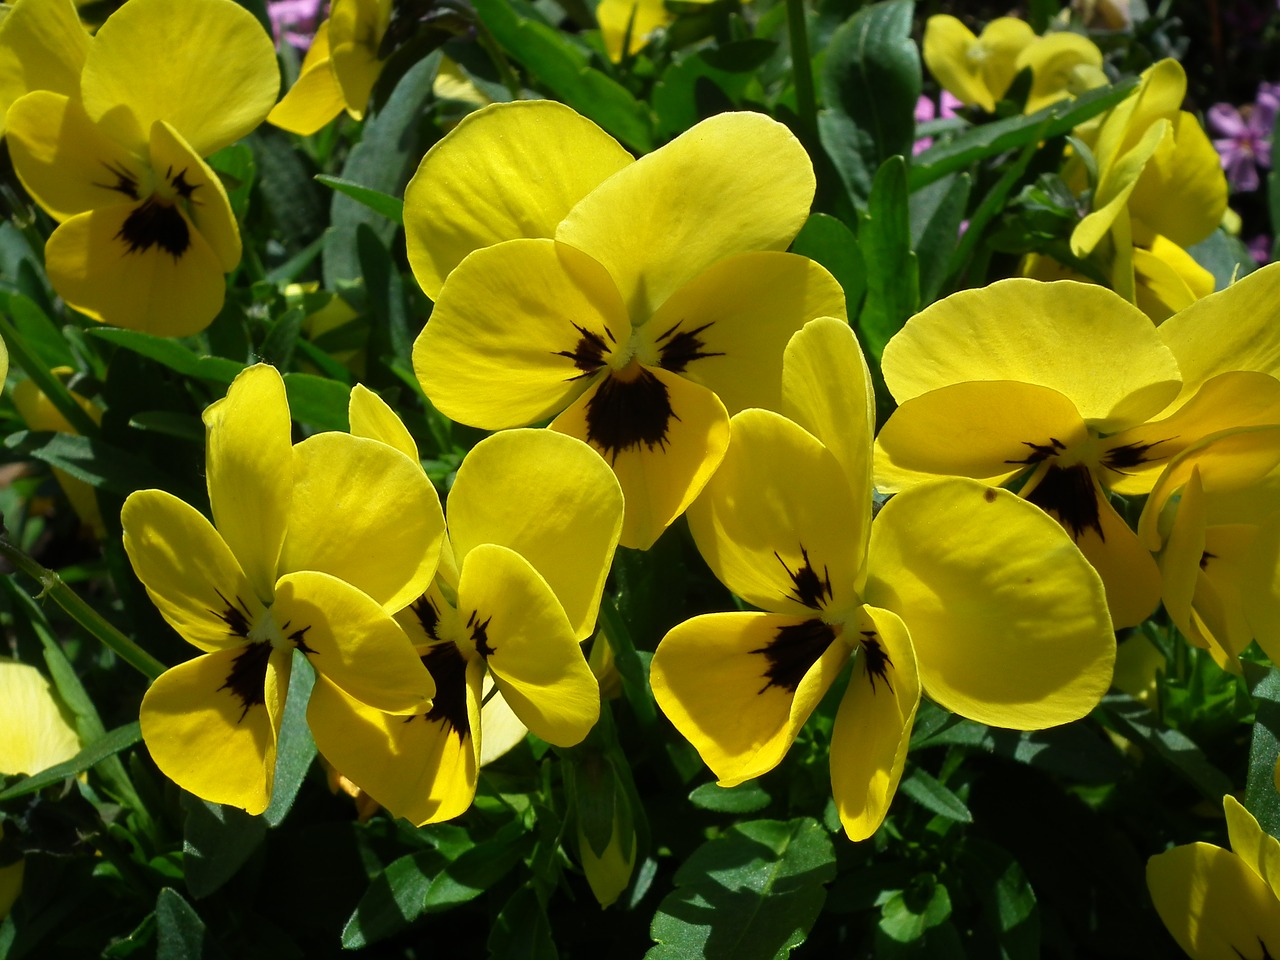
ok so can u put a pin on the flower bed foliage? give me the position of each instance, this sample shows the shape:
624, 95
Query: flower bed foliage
691, 479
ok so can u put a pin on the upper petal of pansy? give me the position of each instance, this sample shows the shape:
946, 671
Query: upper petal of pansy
518, 333
350, 639
205, 66
356, 28
42, 47
249, 468
663, 435
873, 725
1159, 97
370, 416
189, 572
946, 47
728, 327
551, 499
1215, 906
1008, 620
508, 171
191, 183
984, 429
1259, 850
66, 162
735, 183
520, 629
365, 513
1050, 334
739, 686
208, 728
1235, 329
315, 97
777, 523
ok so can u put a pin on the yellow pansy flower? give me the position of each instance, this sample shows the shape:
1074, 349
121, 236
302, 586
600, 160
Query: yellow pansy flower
340, 68
976, 70
1062, 65
146, 232
1068, 392
957, 589
633, 22
1222, 904
312, 547
533, 521
636, 302
42, 47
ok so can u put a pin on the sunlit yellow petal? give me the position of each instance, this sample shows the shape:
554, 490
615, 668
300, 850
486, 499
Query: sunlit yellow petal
1259, 581
735, 183
315, 97
946, 48
1008, 620
663, 435
356, 28
42, 47
1259, 850
518, 333
1050, 334
873, 725
36, 734
249, 467
1053, 60
507, 171
190, 181
551, 499
1182, 193
370, 416
1116, 184
1168, 279
640, 17
502, 728
739, 686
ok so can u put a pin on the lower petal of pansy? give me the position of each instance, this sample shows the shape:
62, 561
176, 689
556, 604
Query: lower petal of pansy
521, 631
141, 266
520, 330
207, 726
502, 728
1008, 620
727, 328
188, 570
421, 767
191, 181
352, 640
663, 435
739, 686
873, 725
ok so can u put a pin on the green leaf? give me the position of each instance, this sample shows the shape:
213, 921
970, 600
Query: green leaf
295, 748
317, 400
38, 333
1260, 796
476, 870
180, 933
94, 461
884, 237
1008, 901
1132, 720
753, 892
217, 840
393, 328
171, 354
290, 198
1225, 257
236, 168
121, 738
522, 930
692, 88
553, 61
380, 203
394, 900
936, 214
746, 797
927, 791
870, 83
906, 916
828, 241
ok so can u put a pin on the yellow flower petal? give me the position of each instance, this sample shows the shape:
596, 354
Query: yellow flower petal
199, 190
356, 28
739, 686
873, 725
1116, 183
640, 17
518, 333
42, 47
1180, 558
208, 727
205, 66
507, 171
1258, 579
1053, 60
735, 183
249, 466
370, 417
522, 632
977, 70
777, 523
552, 500
1260, 851
315, 97
190, 573
1079, 339
1182, 193
728, 327
1168, 279
1008, 621
663, 435
36, 734
365, 513
502, 728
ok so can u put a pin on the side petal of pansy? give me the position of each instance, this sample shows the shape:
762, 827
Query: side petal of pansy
664, 436
520, 332
474, 188
1186, 167
521, 631
1008, 620
734, 183
551, 499
42, 47
873, 724
739, 686
315, 97
356, 29
370, 416
1259, 850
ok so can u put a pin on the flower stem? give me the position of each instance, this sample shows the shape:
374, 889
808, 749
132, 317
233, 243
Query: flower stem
802, 69
53, 586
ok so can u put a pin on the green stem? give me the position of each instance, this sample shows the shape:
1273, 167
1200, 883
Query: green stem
630, 668
802, 68
52, 585
49, 385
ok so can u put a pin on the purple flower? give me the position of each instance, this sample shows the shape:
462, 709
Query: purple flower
1246, 142
295, 21
926, 111
1260, 249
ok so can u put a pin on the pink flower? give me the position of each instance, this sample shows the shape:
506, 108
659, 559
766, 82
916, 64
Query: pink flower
1246, 144
295, 21
926, 111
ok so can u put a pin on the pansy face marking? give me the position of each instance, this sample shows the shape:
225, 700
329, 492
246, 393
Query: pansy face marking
480, 634
625, 413
1130, 455
248, 675
588, 355
794, 649
677, 352
448, 667
1067, 493
877, 660
809, 589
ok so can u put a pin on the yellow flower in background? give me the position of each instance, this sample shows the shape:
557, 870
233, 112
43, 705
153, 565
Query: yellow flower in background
1068, 393
42, 47
312, 547
956, 589
976, 70
1221, 904
340, 68
636, 302
146, 232
1062, 65
533, 521
632, 23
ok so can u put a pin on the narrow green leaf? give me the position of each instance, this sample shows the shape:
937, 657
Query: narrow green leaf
1260, 796
934, 796
1135, 722
169, 423
97, 463
476, 870
746, 797
295, 748
522, 930
39, 334
394, 900
884, 237
1008, 902
180, 933
171, 354
380, 203
828, 241
936, 214
121, 738
216, 842
318, 401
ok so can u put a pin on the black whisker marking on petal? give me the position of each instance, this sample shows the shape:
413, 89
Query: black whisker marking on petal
247, 679
622, 414
298, 638
1041, 452
126, 182
448, 668
235, 615
809, 588
1068, 494
684, 348
480, 634
794, 649
588, 354
1205, 558
877, 661
179, 183
1131, 455
424, 608
154, 223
